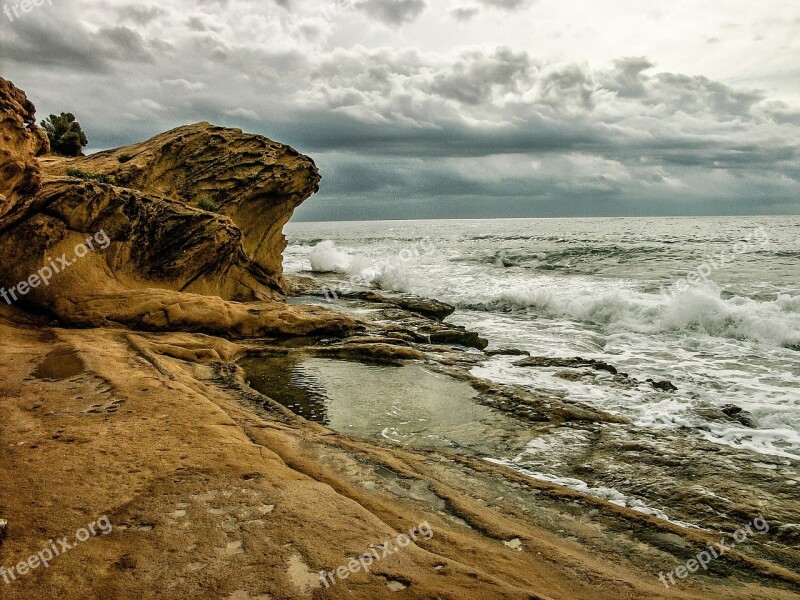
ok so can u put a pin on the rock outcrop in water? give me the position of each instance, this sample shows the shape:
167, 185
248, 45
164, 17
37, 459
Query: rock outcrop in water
191, 222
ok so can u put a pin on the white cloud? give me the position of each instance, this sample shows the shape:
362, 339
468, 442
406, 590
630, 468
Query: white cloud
187, 86
243, 113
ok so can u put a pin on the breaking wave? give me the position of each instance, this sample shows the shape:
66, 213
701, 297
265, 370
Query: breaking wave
615, 305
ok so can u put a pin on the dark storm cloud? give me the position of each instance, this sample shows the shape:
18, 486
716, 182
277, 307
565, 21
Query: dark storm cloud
392, 12
140, 14
501, 101
476, 77
46, 42
506, 4
467, 12
489, 131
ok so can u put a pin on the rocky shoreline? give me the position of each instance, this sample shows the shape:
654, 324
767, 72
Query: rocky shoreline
124, 396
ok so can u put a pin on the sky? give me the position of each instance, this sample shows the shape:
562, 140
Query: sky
449, 108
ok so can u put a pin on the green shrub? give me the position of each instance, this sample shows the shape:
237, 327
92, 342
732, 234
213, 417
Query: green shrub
88, 176
65, 134
208, 204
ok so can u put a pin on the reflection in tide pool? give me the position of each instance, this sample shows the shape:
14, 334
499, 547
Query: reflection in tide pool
414, 406
405, 404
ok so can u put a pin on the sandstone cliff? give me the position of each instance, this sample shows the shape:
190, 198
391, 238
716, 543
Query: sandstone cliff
193, 220
254, 181
21, 141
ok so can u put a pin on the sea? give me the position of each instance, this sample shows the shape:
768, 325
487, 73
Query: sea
709, 304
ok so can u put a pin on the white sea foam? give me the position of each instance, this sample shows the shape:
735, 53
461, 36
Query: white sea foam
574, 289
617, 305
326, 258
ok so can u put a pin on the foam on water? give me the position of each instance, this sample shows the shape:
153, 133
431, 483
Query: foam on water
605, 289
326, 258
620, 304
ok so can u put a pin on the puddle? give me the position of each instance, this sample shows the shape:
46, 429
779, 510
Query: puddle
413, 406
59, 364
405, 404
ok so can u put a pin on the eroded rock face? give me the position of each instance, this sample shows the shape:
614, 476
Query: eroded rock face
21, 141
181, 230
251, 179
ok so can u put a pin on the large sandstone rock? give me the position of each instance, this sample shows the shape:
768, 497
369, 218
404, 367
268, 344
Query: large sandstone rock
184, 229
251, 179
20, 142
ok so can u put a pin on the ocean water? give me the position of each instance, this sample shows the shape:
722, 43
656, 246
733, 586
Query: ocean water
711, 304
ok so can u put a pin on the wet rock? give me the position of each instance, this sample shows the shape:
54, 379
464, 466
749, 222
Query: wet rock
409, 318
356, 340
664, 386
566, 363
507, 352
535, 407
789, 533
370, 353
739, 414
545, 362
433, 309
572, 375
602, 366
427, 307
459, 336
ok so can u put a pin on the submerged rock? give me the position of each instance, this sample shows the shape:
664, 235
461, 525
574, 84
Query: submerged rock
573, 363
507, 352
740, 414
664, 386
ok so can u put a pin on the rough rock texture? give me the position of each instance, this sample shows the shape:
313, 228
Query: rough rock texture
256, 182
217, 492
21, 141
162, 261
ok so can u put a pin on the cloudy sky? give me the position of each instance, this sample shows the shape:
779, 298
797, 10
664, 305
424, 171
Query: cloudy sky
450, 108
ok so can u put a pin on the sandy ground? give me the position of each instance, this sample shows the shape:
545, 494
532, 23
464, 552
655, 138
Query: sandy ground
215, 492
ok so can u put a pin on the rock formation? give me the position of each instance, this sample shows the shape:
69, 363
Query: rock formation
187, 227
21, 141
